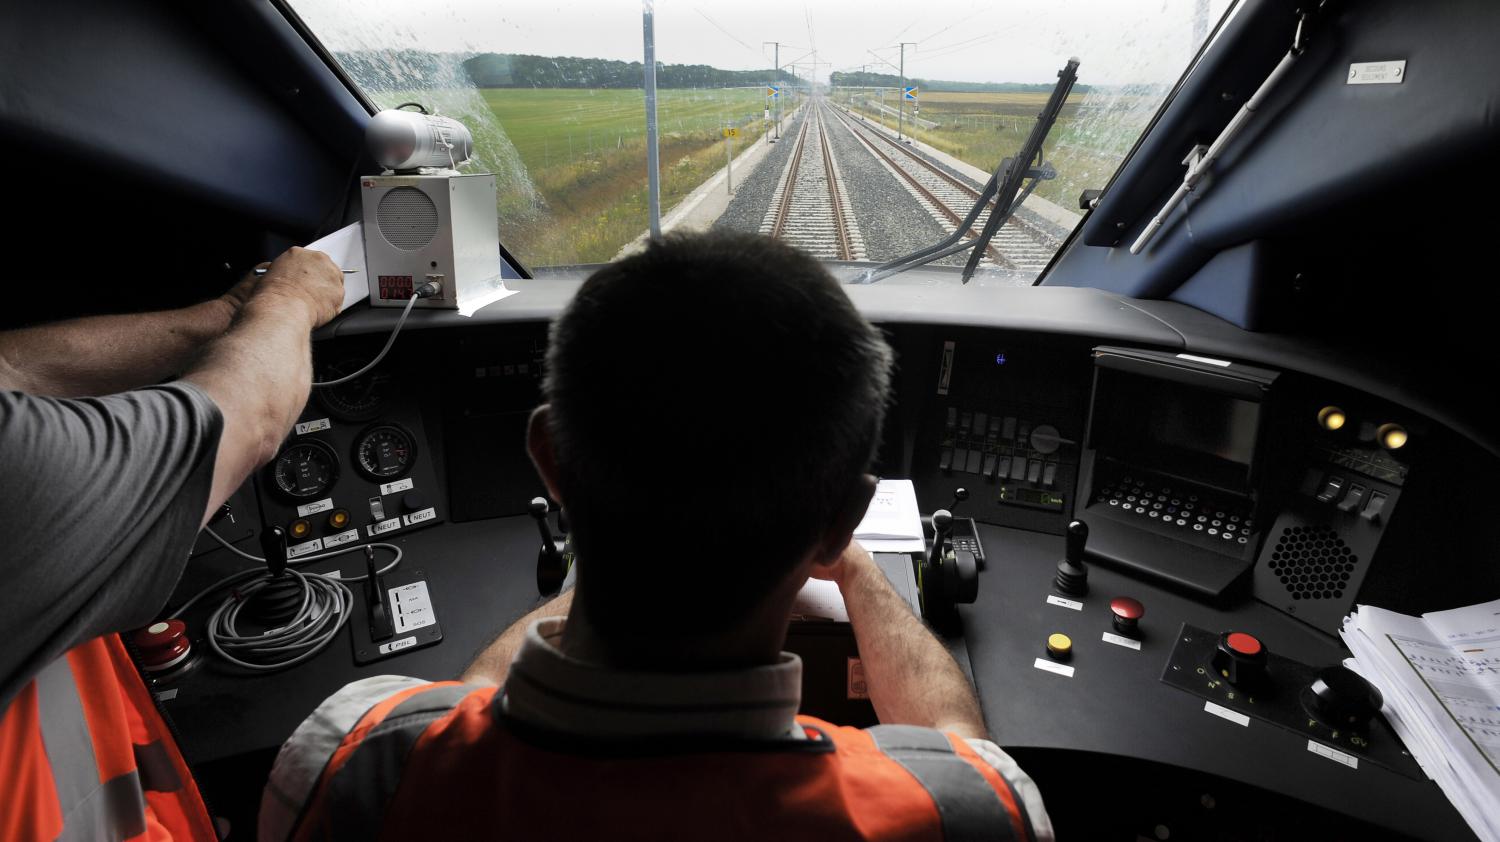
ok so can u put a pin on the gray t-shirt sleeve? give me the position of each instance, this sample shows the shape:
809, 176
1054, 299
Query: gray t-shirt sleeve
100, 502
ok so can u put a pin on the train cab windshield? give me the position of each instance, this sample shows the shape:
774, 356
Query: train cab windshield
911, 111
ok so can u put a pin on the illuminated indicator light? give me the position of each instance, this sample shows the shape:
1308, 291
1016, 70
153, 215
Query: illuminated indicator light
1332, 418
1392, 436
300, 528
338, 518
1000, 358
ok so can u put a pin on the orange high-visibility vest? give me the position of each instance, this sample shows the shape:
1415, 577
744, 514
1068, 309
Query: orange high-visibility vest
84, 754
443, 761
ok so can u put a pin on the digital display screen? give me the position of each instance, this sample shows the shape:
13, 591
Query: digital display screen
1176, 429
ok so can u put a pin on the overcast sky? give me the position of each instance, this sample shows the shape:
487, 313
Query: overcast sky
1117, 41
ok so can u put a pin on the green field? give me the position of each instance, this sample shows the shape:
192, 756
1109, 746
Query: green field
1092, 135
585, 152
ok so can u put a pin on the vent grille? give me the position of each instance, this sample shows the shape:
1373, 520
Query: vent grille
1312, 562
407, 218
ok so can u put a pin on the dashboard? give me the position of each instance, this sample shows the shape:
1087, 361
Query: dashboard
1254, 492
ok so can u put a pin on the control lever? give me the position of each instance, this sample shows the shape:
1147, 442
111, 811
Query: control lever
960, 494
273, 549
380, 618
551, 562
947, 578
1072, 575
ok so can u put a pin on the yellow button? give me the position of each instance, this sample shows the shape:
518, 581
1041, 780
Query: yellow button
339, 519
1059, 645
300, 528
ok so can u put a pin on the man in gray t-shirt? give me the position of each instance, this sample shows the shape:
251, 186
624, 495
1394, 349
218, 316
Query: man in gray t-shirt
105, 481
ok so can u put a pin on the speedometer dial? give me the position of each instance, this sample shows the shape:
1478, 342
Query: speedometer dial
305, 470
385, 452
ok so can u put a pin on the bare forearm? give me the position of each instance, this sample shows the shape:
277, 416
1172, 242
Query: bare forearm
493, 663
912, 678
259, 374
100, 355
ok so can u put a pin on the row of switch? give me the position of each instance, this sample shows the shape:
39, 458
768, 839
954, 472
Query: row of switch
1369, 503
994, 466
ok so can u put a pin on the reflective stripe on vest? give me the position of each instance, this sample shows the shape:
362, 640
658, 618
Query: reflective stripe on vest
113, 809
360, 797
969, 807
368, 781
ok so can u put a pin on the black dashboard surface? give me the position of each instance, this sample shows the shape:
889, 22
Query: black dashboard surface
479, 558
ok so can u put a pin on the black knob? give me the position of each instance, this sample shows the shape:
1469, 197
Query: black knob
1341, 699
273, 546
413, 501
1072, 575
537, 508
960, 494
1241, 660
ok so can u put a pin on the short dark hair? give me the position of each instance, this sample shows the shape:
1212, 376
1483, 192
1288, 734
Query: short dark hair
715, 401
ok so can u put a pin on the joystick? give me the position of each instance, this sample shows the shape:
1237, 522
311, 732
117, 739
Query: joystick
949, 578
551, 566
942, 522
280, 598
1072, 575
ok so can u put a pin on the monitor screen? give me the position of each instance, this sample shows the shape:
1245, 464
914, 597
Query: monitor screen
1180, 430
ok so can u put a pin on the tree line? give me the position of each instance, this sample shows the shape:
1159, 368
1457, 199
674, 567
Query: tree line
891, 80
398, 70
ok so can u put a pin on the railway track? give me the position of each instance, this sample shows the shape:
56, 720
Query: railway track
947, 198
810, 208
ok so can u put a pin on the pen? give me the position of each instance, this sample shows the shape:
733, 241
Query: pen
259, 271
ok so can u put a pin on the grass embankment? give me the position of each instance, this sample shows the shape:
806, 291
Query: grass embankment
586, 153
1092, 135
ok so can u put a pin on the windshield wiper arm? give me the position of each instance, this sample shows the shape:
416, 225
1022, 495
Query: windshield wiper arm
1021, 166
1031, 151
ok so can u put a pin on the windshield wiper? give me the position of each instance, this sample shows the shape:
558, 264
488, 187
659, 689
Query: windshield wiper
1006, 181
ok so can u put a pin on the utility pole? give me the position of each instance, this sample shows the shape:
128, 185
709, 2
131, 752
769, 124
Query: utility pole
901, 94
653, 162
776, 81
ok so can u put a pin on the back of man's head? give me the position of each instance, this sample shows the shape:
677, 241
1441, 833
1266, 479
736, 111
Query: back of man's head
715, 402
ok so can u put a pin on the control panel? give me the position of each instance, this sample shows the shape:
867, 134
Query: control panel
1322, 544
1006, 423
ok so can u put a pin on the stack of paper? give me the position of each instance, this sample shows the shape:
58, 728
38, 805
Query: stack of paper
1440, 675
893, 523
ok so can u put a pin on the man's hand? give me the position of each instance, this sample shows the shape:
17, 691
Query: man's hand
912, 678
853, 558
304, 277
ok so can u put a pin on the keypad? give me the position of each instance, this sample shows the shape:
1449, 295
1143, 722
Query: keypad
1221, 520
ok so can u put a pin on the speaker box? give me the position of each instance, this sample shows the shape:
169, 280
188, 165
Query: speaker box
1318, 552
431, 227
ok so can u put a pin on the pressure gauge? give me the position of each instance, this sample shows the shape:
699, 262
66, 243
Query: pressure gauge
384, 452
305, 470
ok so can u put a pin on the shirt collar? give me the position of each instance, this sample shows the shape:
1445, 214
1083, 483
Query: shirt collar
552, 690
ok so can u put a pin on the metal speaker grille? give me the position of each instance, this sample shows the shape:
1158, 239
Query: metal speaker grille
407, 218
1312, 562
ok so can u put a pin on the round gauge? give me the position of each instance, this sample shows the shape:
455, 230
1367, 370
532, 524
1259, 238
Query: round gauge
384, 451
305, 469
361, 399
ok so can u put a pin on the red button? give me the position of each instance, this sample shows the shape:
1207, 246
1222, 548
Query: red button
1244, 644
1126, 608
